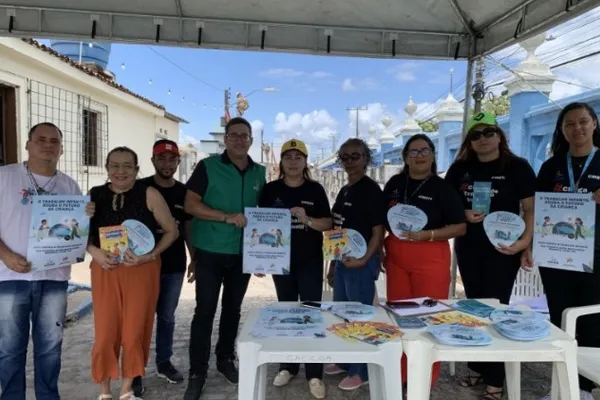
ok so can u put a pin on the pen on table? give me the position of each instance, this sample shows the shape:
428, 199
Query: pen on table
339, 316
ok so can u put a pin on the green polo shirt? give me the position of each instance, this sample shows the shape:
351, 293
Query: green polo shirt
224, 187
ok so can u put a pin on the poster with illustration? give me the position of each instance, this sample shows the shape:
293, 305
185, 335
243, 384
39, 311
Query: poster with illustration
340, 243
564, 231
58, 233
267, 239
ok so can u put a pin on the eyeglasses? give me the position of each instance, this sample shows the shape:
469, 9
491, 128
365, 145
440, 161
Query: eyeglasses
486, 133
239, 137
424, 152
350, 157
124, 167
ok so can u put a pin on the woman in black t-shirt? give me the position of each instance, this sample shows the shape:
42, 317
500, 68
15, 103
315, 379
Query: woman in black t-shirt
575, 142
419, 264
486, 271
311, 216
358, 206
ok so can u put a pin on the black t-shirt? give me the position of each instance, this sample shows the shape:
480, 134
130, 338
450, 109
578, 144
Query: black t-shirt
554, 177
512, 181
434, 196
307, 243
360, 206
174, 258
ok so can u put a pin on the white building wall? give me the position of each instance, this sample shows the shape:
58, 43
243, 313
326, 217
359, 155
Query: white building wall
130, 121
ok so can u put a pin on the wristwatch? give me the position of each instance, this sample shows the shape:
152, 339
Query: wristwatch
309, 223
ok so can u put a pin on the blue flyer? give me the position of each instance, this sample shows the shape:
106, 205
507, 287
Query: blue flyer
482, 196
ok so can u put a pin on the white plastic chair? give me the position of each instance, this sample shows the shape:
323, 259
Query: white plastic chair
588, 358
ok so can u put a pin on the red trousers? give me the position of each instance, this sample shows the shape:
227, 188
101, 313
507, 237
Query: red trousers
417, 269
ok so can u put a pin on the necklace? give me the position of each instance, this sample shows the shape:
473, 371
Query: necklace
40, 190
406, 197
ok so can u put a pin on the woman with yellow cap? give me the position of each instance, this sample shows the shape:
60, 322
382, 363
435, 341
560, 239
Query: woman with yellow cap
311, 216
485, 161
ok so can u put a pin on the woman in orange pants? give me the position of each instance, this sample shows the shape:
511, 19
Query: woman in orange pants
125, 286
418, 263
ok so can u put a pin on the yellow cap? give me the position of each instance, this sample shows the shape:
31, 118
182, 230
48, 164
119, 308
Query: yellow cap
294, 144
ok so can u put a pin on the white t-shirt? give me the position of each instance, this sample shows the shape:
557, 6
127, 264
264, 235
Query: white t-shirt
15, 216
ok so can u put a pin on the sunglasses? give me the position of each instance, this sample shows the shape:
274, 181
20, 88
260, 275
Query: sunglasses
486, 133
350, 157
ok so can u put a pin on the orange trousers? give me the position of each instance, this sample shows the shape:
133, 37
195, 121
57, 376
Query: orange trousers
417, 269
124, 301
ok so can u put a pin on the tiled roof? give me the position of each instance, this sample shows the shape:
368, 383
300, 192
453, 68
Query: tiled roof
107, 80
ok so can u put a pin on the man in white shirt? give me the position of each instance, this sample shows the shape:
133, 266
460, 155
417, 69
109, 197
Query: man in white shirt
41, 295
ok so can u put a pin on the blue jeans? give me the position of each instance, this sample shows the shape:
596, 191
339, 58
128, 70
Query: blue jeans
45, 302
168, 298
356, 284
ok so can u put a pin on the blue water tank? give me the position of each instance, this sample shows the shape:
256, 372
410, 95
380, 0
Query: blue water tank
91, 52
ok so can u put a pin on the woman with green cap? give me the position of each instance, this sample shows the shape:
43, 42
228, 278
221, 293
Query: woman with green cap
501, 181
311, 215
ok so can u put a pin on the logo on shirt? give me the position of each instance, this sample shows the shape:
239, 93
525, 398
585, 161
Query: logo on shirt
559, 187
278, 203
26, 196
597, 177
256, 186
501, 177
424, 197
308, 203
179, 206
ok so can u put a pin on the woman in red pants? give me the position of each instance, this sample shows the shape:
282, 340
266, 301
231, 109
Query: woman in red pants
418, 263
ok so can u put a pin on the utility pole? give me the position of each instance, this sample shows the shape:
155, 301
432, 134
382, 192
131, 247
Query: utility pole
357, 109
262, 144
226, 106
334, 137
479, 86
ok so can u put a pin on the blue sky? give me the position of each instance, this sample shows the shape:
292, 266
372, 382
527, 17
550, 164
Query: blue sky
314, 91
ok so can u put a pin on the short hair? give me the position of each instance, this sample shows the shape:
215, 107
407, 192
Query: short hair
238, 120
46, 124
123, 149
164, 141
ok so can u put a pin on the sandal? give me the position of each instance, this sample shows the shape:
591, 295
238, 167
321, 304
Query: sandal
128, 396
497, 395
105, 397
472, 381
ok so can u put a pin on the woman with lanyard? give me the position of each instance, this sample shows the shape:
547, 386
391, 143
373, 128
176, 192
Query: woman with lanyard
359, 206
418, 264
485, 161
574, 167
311, 216
125, 289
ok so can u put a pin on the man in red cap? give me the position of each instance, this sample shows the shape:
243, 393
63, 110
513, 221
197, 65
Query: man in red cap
165, 158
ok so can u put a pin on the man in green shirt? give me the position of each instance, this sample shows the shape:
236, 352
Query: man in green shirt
218, 191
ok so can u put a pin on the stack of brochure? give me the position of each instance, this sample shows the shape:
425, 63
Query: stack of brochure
516, 314
354, 312
459, 335
523, 329
474, 307
374, 333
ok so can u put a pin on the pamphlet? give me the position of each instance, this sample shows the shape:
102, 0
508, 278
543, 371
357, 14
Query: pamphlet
456, 335
374, 333
503, 228
289, 322
406, 218
482, 196
340, 243
474, 307
113, 239
452, 317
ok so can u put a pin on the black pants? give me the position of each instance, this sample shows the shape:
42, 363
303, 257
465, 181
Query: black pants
566, 289
487, 273
212, 271
305, 283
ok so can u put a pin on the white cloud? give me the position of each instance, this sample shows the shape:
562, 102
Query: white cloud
404, 71
294, 73
257, 127
188, 139
351, 85
321, 74
405, 76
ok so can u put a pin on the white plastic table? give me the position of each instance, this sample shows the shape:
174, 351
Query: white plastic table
254, 355
560, 348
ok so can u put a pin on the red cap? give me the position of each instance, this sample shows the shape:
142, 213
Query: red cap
164, 147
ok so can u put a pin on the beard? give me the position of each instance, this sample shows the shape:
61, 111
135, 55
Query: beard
163, 175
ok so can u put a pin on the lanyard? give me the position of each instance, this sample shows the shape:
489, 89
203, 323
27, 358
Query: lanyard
406, 196
572, 184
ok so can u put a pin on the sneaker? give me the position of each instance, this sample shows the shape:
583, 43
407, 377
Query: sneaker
228, 370
333, 369
195, 387
137, 386
169, 372
283, 378
350, 383
317, 388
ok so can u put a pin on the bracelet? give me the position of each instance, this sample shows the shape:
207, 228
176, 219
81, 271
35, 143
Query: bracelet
432, 234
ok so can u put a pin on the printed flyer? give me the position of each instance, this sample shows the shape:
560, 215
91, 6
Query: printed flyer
58, 233
267, 239
482, 196
289, 322
503, 228
564, 231
114, 240
406, 218
340, 243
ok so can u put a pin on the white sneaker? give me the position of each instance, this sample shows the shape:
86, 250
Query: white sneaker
583, 395
317, 388
283, 378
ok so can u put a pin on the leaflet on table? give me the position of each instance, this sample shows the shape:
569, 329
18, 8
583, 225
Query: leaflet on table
564, 231
405, 312
452, 317
374, 333
474, 307
58, 233
267, 239
503, 228
406, 218
289, 322
341, 243
482, 196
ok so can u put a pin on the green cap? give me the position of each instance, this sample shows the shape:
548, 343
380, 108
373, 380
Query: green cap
483, 118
